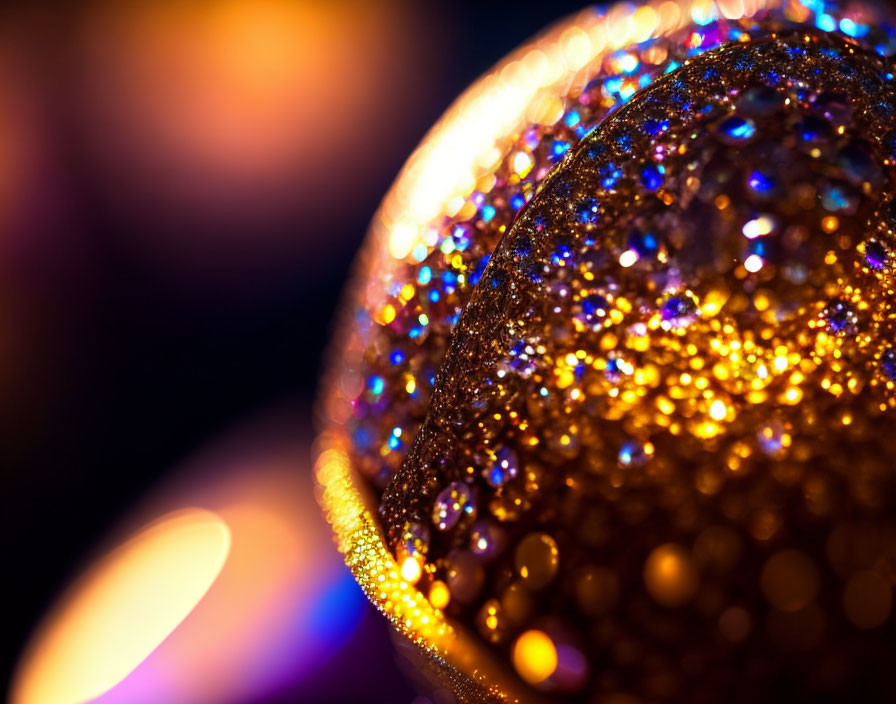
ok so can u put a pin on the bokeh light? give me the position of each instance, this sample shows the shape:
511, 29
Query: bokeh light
124, 607
224, 117
232, 599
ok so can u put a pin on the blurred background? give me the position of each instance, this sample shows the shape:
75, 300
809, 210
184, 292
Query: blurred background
182, 188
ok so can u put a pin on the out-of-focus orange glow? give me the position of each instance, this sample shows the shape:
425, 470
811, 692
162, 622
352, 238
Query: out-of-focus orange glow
223, 117
167, 619
237, 84
123, 608
670, 575
535, 656
237, 93
790, 580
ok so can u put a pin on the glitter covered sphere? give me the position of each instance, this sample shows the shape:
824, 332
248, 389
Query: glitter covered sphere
656, 458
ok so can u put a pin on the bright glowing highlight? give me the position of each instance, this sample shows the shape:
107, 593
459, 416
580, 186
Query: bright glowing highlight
123, 609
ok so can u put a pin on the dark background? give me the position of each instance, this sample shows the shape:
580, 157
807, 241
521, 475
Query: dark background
142, 315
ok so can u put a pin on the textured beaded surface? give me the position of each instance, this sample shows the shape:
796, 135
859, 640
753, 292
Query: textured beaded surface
682, 344
656, 460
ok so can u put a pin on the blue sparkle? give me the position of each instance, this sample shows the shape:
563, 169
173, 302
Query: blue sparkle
888, 362
835, 199
613, 85
425, 275
625, 142
560, 255
594, 305
644, 243
679, 311
653, 176
613, 368
851, 29
760, 182
609, 175
461, 237
488, 212
559, 147
875, 254
587, 211
826, 23
522, 247
655, 127
737, 127
813, 128
840, 317
362, 437
477, 272
632, 454
759, 247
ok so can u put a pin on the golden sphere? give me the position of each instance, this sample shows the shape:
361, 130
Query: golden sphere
625, 394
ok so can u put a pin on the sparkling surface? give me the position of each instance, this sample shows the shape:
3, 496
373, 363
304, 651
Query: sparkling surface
675, 377
454, 502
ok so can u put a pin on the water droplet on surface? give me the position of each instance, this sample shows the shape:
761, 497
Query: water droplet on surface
841, 318
536, 560
503, 468
452, 503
